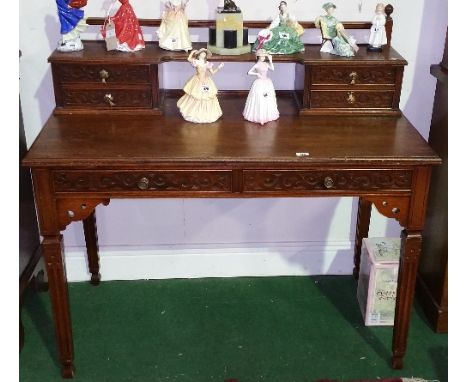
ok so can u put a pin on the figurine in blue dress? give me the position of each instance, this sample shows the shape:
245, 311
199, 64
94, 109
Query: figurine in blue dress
72, 24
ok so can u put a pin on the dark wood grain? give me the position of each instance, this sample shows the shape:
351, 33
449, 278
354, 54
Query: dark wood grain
92, 247
362, 230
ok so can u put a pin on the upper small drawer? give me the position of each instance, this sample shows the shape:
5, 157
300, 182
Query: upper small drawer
103, 73
353, 75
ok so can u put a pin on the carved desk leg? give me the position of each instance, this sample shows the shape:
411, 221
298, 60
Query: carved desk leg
91, 238
362, 230
52, 250
410, 250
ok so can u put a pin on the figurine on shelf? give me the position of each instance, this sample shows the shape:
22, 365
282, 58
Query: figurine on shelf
200, 103
127, 28
261, 106
378, 35
283, 34
174, 33
334, 38
72, 24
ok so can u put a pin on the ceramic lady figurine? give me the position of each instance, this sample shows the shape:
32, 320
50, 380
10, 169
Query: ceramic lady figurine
200, 103
378, 35
283, 34
334, 37
72, 24
261, 106
127, 29
173, 33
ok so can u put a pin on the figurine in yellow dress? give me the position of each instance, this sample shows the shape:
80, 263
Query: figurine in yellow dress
200, 103
174, 33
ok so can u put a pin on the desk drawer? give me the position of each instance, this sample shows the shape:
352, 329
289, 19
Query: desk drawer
108, 98
142, 181
380, 99
326, 180
102, 73
353, 75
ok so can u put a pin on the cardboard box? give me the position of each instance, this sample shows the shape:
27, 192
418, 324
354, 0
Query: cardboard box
378, 279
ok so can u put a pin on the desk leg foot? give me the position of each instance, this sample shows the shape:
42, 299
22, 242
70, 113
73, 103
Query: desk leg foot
362, 230
397, 362
68, 371
411, 242
92, 249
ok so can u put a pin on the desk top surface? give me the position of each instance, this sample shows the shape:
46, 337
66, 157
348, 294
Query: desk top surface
95, 52
77, 141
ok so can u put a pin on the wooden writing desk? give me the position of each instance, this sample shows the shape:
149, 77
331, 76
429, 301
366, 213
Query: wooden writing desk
116, 134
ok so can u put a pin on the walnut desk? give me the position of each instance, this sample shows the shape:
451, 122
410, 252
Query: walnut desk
81, 161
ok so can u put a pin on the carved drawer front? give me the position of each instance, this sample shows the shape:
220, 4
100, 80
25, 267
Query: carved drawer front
347, 180
142, 181
351, 99
349, 75
105, 73
109, 98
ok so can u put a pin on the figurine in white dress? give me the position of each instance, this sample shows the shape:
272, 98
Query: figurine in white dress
378, 35
174, 33
261, 106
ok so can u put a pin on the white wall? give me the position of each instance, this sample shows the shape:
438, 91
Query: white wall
195, 238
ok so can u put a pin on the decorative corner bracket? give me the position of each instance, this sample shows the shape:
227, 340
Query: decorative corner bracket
394, 207
70, 210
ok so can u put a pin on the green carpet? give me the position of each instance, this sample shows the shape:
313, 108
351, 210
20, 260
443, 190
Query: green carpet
281, 329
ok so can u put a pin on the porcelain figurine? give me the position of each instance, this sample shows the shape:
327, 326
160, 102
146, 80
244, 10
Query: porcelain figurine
261, 106
127, 28
174, 33
378, 34
200, 103
283, 34
72, 24
334, 37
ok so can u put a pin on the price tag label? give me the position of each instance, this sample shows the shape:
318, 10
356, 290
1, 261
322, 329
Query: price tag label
111, 38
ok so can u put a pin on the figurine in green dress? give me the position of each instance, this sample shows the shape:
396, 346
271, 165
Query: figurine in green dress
283, 34
334, 38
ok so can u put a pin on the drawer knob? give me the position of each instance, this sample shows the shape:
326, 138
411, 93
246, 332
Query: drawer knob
109, 99
143, 183
328, 182
351, 98
353, 76
104, 75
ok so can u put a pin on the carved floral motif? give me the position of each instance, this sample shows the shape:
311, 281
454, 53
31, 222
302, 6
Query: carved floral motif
141, 181
116, 73
344, 75
315, 180
351, 98
119, 97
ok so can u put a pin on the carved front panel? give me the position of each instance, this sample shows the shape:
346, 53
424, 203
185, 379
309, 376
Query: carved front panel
353, 75
104, 73
258, 180
107, 98
351, 99
84, 181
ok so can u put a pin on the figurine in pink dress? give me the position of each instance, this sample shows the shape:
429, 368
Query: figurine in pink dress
261, 106
127, 28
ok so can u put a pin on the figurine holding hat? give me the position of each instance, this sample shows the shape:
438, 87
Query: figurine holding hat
200, 103
334, 37
261, 106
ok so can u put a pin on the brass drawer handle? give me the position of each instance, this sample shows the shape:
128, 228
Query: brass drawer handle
351, 98
143, 183
353, 76
109, 99
104, 75
328, 182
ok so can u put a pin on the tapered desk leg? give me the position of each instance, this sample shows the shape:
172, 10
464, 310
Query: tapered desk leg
411, 242
91, 238
52, 249
362, 230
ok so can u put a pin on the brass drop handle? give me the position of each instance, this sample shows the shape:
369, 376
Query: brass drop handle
109, 99
104, 75
143, 183
328, 182
353, 76
351, 98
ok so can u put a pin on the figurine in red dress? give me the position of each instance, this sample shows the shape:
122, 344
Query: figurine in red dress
127, 28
